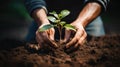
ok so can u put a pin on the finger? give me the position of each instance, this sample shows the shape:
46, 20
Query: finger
37, 47
81, 40
71, 49
43, 36
39, 40
76, 45
67, 35
51, 43
47, 39
75, 39
72, 42
51, 34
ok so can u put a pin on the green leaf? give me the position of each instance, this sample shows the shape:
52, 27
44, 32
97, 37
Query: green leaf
55, 14
52, 13
57, 21
46, 27
64, 13
62, 23
55, 25
60, 16
51, 18
68, 26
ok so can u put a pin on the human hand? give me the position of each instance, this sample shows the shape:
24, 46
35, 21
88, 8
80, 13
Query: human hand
46, 37
79, 36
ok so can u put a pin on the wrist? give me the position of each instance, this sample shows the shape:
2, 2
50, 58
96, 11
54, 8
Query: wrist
43, 24
40, 16
80, 22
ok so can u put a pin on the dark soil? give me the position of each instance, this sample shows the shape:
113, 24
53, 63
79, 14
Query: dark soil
97, 52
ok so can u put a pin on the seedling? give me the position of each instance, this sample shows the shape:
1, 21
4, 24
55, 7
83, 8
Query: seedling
56, 19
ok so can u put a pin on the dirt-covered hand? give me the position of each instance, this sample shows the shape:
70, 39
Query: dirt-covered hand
78, 38
46, 37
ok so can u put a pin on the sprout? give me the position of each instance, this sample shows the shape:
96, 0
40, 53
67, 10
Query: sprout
56, 20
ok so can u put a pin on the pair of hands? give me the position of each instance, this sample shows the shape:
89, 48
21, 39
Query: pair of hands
88, 13
47, 37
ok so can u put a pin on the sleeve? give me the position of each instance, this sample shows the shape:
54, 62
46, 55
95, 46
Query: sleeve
31, 5
103, 3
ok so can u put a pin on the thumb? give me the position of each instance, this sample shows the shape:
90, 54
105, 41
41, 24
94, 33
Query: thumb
51, 34
67, 36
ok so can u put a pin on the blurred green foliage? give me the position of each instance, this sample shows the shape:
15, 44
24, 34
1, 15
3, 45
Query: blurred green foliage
13, 9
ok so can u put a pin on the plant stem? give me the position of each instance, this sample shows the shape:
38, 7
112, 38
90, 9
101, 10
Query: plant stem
60, 33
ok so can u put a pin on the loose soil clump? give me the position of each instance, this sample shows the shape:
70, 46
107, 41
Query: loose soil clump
97, 52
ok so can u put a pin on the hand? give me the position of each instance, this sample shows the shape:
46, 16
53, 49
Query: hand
78, 38
46, 37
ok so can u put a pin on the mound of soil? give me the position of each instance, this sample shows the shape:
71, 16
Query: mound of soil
98, 52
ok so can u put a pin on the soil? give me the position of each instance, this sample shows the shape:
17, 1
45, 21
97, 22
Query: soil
97, 52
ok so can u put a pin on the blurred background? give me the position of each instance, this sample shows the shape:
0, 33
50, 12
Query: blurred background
14, 19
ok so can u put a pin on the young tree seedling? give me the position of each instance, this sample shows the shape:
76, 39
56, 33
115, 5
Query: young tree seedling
56, 19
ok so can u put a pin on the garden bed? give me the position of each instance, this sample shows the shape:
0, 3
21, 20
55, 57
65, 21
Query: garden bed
97, 52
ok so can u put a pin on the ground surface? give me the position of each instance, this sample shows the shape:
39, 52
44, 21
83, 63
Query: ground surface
98, 52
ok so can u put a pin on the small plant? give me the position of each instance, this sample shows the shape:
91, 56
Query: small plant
56, 19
